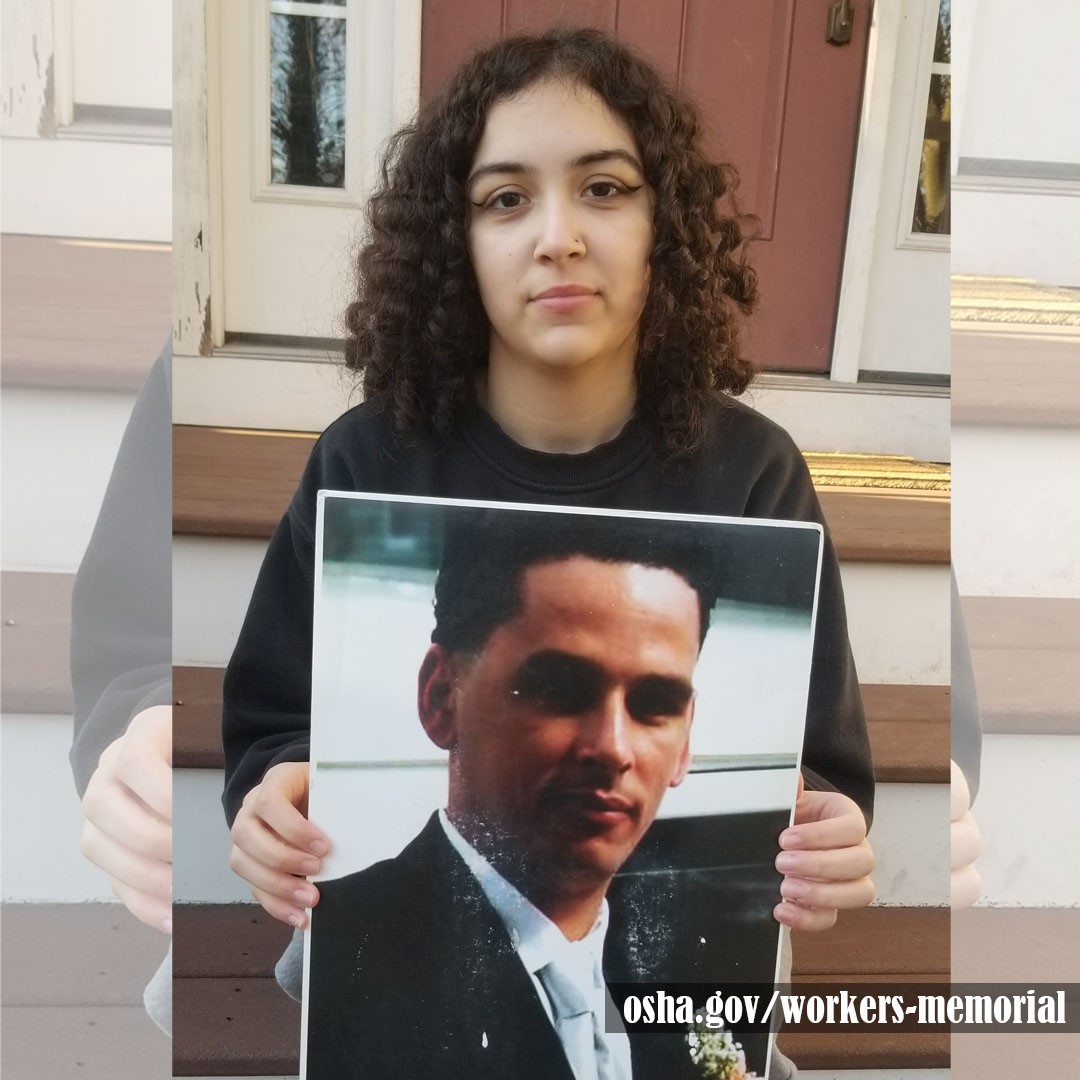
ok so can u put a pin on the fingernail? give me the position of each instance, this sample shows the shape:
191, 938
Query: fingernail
317, 847
793, 890
786, 862
784, 913
303, 896
166, 925
297, 920
789, 838
309, 866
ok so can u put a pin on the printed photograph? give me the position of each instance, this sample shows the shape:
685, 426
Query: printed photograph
555, 748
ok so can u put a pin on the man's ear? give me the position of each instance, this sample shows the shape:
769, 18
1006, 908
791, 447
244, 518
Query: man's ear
683, 765
435, 697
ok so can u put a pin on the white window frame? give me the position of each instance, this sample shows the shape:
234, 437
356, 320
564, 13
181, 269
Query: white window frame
906, 237
63, 62
262, 190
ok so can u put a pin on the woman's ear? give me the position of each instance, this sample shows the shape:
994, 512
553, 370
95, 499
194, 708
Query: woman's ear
435, 697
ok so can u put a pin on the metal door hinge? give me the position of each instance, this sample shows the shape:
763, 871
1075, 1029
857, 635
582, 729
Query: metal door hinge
839, 24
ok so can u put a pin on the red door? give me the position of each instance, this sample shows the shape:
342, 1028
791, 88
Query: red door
778, 102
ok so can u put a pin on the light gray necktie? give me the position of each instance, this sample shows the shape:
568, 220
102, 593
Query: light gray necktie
579, 1027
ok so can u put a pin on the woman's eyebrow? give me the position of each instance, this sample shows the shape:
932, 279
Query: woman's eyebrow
594, 157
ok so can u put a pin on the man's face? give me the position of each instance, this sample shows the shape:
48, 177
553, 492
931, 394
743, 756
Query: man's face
574, 718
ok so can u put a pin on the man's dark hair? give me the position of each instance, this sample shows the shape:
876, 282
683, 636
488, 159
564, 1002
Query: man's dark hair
417, 333
486, 554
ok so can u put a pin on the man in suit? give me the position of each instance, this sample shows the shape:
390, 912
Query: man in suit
559, 680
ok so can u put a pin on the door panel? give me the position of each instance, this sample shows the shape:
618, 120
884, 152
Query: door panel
776, 100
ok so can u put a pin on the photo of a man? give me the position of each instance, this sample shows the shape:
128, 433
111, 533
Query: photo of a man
560, 682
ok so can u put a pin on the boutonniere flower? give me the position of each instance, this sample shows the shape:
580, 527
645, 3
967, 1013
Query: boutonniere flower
717, 1055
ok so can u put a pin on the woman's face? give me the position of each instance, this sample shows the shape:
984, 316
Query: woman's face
560, 231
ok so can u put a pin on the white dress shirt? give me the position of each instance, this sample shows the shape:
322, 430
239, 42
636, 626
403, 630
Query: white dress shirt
539, 941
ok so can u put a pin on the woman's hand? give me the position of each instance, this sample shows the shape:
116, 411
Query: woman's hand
825, 859
275, 846
128, 808
965, 843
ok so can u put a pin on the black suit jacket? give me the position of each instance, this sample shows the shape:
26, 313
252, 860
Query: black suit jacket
414, 977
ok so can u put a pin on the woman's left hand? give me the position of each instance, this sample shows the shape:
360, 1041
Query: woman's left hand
826, 861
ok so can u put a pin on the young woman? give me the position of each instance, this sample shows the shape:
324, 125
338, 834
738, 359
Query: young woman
547, 312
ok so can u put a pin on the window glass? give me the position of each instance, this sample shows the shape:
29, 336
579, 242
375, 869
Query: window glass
931, 212
307, 96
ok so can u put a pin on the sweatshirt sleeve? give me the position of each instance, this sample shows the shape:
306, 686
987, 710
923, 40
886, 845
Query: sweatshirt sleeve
266, 714
966, 728
121, 607
836, 747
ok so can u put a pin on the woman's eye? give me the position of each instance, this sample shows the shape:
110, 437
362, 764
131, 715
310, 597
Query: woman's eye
605, 189
505, 200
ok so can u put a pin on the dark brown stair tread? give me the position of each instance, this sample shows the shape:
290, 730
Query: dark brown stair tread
878, 941
239, 483
909, 731
197, 718
881, 1050
234, 1027
233, 1024
228, 1027
254, 940
1026, 656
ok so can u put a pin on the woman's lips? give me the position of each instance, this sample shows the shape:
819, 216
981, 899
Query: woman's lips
564, 299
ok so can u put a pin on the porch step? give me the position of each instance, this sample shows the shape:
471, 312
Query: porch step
1015, 945
1026, 657
73, 978
35, 613
231, 1018
1016, 376
83, 314
239, 483
909, 727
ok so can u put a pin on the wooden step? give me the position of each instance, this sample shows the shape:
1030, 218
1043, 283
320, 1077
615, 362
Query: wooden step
877, 941
35, 612
1015, 353
73, 979
909, 732
909, 727
65, 955
239, 483
231, 1018
1026, 657
83, 314
1015, 945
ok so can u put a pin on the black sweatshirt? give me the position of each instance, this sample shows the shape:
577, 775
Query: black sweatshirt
748, 467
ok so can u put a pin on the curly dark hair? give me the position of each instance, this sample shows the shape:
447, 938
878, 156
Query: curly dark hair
417, 332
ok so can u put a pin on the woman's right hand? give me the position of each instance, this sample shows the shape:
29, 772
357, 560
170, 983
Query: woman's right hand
275, 846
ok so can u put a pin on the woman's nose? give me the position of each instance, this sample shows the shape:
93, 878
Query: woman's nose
561, 235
